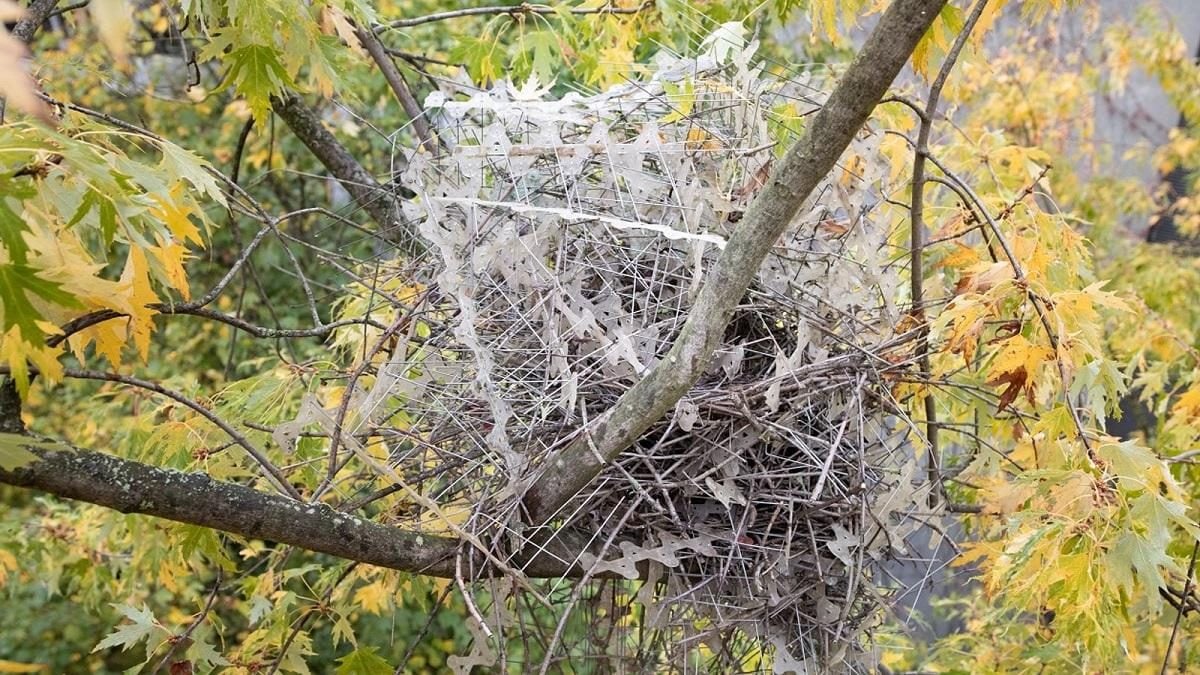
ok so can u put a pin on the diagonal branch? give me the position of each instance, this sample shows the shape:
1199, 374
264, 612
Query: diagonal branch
198, 499
399, 87
796, 175
377, 200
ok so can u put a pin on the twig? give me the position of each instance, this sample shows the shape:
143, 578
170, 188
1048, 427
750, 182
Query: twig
187, 632
522, 9
399, 87
1187, 589
309, 613
917, 236
399, 324
68, 8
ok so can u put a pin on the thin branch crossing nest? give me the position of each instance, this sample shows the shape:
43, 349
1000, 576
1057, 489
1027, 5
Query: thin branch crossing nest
568, 238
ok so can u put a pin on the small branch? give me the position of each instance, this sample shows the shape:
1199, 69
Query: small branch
270, 471
396, 81
917, 238
514, 11
68, 8
1187, 590
339, 420
185, 637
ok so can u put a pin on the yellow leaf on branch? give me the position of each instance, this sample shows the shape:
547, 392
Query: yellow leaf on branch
135, 283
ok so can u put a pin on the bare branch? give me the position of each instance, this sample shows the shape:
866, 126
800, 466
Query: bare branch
795, 176
917, 239
396, 81
522, 9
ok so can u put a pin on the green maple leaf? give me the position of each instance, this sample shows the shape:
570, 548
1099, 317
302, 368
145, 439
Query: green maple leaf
11, 227
258, 75
16, 281
141, 627
14, 453
363, 661
189, 166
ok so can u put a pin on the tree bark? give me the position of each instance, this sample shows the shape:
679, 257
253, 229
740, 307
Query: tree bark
198, 499
795, 176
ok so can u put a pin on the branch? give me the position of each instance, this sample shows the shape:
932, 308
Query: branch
35, 15
522, 9
198, 499
269, 470
396, 81
917, 238
795, 176
378, 201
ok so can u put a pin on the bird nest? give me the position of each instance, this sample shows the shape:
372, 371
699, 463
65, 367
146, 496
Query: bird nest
568, 238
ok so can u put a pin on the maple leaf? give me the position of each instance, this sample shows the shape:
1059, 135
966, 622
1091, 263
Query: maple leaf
114, 21
363, 661
1015, 381
171, 257
190, 167
373, 597
141, 626
1188, 404
335, 22
19, 353
8, 563
258, 75
135, 284
176, 215
17, 283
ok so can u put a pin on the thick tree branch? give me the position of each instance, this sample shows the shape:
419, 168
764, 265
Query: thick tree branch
198, 499
377, 200
35, 15
795, 176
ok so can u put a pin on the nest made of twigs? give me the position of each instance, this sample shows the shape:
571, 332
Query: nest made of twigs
567, 239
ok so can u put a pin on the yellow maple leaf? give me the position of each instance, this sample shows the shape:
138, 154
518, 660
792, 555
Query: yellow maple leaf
375, 597
176, 215
171, 255
114, 22
135, 283
19, 353
1188, 405
8, 563
109, 337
